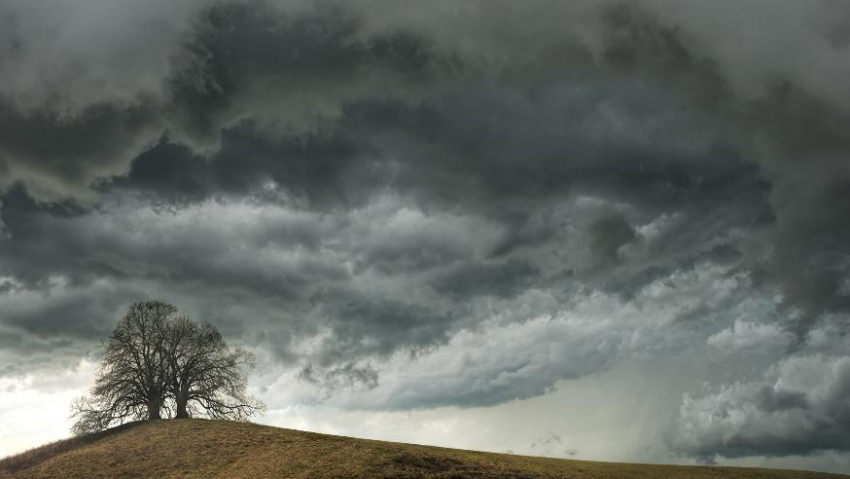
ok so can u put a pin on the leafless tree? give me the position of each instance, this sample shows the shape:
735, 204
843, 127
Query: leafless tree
157, 365
132, 377
205, 376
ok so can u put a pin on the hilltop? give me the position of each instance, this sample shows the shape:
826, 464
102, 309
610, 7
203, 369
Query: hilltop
231, 450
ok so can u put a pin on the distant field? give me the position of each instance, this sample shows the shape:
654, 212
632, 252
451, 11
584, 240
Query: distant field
228, 450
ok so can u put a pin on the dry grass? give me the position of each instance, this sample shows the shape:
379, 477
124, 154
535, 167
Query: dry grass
40, 454
227, 450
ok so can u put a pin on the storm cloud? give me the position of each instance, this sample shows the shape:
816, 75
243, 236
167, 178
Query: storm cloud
799, 407
404, 207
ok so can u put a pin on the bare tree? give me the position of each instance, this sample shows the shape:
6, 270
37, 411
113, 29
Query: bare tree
132, 377
157, 365
206, 376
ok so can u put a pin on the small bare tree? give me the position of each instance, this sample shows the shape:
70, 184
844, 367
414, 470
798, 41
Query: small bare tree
156, 365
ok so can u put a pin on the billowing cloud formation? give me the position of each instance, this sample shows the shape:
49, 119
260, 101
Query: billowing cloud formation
507, 356
799, 407
406, 207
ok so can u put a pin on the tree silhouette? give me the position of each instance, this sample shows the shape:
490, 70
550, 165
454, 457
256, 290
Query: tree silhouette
157, 365
204, 374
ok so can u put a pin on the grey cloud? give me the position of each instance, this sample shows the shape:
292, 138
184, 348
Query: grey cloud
798, 408
298, 286
236, 53
312, 61
811, 252
606, 236
347, 375
525, 346
408, 246
512, 146
72, 318
66, 58
4, 234
498, 279
59, 156
370, 326
83, 247
751, 338
41, 331
770, 400
74, 106
722, 254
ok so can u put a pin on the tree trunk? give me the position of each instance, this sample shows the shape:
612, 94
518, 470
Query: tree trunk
182, 400
182, 412
154, 410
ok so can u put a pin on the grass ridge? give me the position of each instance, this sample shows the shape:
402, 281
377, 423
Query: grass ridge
207, 449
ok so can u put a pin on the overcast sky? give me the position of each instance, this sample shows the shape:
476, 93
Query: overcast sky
594, 229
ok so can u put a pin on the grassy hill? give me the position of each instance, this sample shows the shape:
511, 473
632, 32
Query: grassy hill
218, 449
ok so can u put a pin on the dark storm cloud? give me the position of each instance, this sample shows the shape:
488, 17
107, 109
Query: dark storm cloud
473, 145
811, 258
498, 279
374, 326
238, 51
60, 155
84, 247
74, 106
72, 318
340, 183
486, 150
571, 135
606, 236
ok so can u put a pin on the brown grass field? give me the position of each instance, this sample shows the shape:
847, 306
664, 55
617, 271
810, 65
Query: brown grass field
229, 450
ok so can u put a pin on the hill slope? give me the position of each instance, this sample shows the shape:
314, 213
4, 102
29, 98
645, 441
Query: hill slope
218, 449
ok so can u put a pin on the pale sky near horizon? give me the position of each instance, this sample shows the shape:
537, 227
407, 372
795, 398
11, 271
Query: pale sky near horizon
612, 230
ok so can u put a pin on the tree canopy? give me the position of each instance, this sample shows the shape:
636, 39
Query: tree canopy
157, 364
